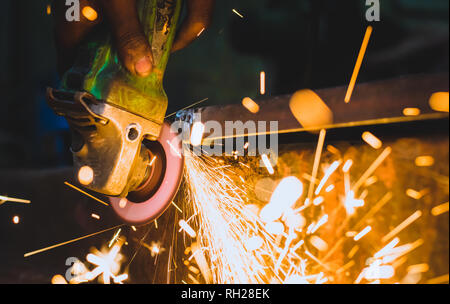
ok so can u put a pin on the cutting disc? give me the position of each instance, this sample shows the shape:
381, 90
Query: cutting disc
155, 195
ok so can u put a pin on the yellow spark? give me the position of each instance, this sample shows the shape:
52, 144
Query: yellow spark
108, 265
188, 229
96, 216
329, 188
439, 101
201, 32
237, 13
14, 200
250, 105
134, 228
267, 163
358, 64
411, 111
317, 156
418, 268
178, 208
16, 219
323, 220
353, 251
345, 267
262, 80
194, 269
414, 194
85, 193
372, 168
402, 226
372, 140
351, 203
440, 209
49, 9
173, 149
152, 161
198, 129
68, 242
58, 279
284, 197
346, 167
333, 167
332, 149
318, 200
246, 145
320, 244
89, 13
362, 233
116, 235
424, 161
371, 180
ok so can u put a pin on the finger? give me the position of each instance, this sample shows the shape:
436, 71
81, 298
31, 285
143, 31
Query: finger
133, 48
69, 34
198, 19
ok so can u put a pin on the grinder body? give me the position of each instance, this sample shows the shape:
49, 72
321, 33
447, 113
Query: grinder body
117, 118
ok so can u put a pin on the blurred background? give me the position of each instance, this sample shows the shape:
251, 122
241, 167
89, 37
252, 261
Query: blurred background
298, 43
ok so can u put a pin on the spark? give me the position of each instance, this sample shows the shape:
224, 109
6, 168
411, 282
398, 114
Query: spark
358, 64
13, 200
178, 208
346, 167
16, 219
58, 279
418, 268
372, 140
96, 216
49, 9
414, 194
416, 215
329, 188
250, 105
68, 242
372, 168
320, 244
353, 251
89, 13
198, 129
316, 164
327, 175
188, 229
424, 161
362, 233
439, 101
85, 193
237, 13
262, 80
201, 32
152, 161
108, 265
440, 209
411, 111
188, 107
114, 238
267, 163
173, 149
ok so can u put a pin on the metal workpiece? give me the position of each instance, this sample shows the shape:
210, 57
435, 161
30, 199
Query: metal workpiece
377, 102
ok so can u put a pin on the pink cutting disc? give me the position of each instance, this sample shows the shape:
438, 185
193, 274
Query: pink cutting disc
142, 213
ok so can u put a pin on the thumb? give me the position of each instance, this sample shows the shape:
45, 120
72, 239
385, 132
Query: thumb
133, 48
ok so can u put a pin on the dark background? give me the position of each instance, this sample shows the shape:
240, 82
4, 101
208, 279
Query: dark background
298, 43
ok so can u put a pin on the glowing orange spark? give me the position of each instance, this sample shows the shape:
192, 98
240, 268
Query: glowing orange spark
358, 64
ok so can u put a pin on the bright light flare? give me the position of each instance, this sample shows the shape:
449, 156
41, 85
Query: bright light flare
198, 129
250, 105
